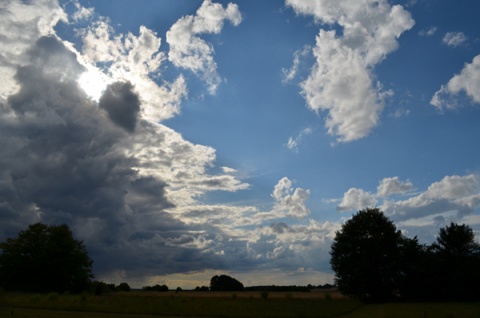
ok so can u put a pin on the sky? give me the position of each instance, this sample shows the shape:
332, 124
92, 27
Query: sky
181, 139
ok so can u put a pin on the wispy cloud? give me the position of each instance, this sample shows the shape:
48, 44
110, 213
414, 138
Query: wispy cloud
454, 39
294, 142
428, 32
290, 74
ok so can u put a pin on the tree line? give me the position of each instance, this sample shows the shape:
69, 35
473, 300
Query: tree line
371, 258
374, 261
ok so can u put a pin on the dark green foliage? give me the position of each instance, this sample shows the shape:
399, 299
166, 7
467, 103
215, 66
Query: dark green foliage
366, 256
373, 261
45, 259
458, 258
456, 241
225, 283
290, 288
100, 288
123, 287
158, 288
447, 270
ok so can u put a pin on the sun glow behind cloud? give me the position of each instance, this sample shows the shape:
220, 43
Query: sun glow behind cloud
93, 83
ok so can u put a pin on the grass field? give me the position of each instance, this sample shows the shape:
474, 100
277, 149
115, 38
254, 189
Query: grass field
211, 304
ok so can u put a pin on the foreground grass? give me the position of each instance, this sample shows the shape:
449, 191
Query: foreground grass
183, 304
229, 305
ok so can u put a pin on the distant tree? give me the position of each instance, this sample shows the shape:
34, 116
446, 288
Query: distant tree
45, 259
157, 287
100, 288
123, 287
225, 283
366, 255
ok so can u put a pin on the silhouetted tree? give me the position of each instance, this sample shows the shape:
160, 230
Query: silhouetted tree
457, 256
123, 287
225, 283
413, 265
157, 287
365, 256
43, 259
100, 288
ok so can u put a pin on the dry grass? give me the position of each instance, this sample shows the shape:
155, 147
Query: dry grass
317, 294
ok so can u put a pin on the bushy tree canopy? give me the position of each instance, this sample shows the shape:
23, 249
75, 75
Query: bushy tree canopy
225, 283
365, 256
45, 258
373, 260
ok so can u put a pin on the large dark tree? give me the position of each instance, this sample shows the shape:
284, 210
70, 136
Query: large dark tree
44, 258
225, 283
365, 256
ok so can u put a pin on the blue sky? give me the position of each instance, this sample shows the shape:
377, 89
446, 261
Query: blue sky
182, 139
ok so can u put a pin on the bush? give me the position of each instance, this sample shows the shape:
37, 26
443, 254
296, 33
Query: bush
225, 283
123, 287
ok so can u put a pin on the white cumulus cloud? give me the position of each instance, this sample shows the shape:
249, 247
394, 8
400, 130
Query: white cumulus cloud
356, 199
390, 186
189, 51
342, 81
290, 201
468, 82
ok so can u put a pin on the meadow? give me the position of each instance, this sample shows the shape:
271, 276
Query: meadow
220, 304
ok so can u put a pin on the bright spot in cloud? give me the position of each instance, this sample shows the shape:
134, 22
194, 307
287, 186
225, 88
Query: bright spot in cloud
93, 83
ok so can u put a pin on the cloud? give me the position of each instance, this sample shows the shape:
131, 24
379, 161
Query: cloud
23, 23
133, 189
106, 168
428, 32
342, 81
121, 104
459, 194
391, 186
290, 201
454, 39
81, 12
189, 51
65, 161
453, 197
135, 59
293, 143
290, 74
468, 82
356, 199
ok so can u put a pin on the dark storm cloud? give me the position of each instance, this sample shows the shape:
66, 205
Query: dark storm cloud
121, 104
63, 161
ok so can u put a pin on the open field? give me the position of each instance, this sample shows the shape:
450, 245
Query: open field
222, 304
